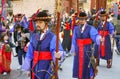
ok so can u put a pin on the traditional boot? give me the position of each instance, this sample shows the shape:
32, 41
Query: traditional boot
109, 64
97, 61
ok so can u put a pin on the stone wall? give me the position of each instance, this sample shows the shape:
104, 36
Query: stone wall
29, 7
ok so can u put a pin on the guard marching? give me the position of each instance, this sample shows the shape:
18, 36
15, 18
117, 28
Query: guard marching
42, 50
82, 39
105, 29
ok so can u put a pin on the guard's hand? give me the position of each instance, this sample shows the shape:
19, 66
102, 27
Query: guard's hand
96, 71
58, 55
28, 73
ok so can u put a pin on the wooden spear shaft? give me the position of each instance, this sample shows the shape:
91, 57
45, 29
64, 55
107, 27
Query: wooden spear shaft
77, 6
57, 35
57, 41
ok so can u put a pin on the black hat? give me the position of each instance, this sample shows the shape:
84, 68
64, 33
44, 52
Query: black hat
43, 16
45, 11
103, 13
19, 15
17, 26
82, 15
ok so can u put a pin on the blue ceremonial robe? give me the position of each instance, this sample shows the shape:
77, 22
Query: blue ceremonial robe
108, 52
89, 32
48, 43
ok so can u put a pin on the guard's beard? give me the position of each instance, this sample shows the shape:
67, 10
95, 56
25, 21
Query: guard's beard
103, 20
81, 25
40, 31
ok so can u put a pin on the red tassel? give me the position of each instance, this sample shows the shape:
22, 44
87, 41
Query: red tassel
73, 22
35, 14
97, 18
67, 26
31, 27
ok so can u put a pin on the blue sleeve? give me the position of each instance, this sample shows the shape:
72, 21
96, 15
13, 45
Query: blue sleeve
111, 28
29, 56
94, 35
73, 42
53, 47
24, 24
30, 50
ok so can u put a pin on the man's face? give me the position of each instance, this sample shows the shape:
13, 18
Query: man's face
103, 18
82, 21
40, 25
19, 18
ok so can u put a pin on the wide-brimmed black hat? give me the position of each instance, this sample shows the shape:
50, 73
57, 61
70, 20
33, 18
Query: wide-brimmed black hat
103, 13
19, 15
42, 16
82, 15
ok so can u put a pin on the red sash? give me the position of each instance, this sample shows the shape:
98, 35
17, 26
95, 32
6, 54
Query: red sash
73, 23
42, 55
102, 46
81, 43
103, 33
67, 26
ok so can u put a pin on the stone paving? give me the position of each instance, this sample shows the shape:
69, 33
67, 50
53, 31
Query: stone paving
104, 73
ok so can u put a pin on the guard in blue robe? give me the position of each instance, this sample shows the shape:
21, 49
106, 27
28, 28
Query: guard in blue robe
83, 37
42, 50
105, 29
21, 20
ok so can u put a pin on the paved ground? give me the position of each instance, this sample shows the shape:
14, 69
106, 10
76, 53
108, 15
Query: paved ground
104, 73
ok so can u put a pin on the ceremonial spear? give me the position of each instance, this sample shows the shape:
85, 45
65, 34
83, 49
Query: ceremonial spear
58, 6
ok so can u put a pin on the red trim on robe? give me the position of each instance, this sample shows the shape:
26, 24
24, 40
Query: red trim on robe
81, 43
102, 46
67, 26
42, 55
